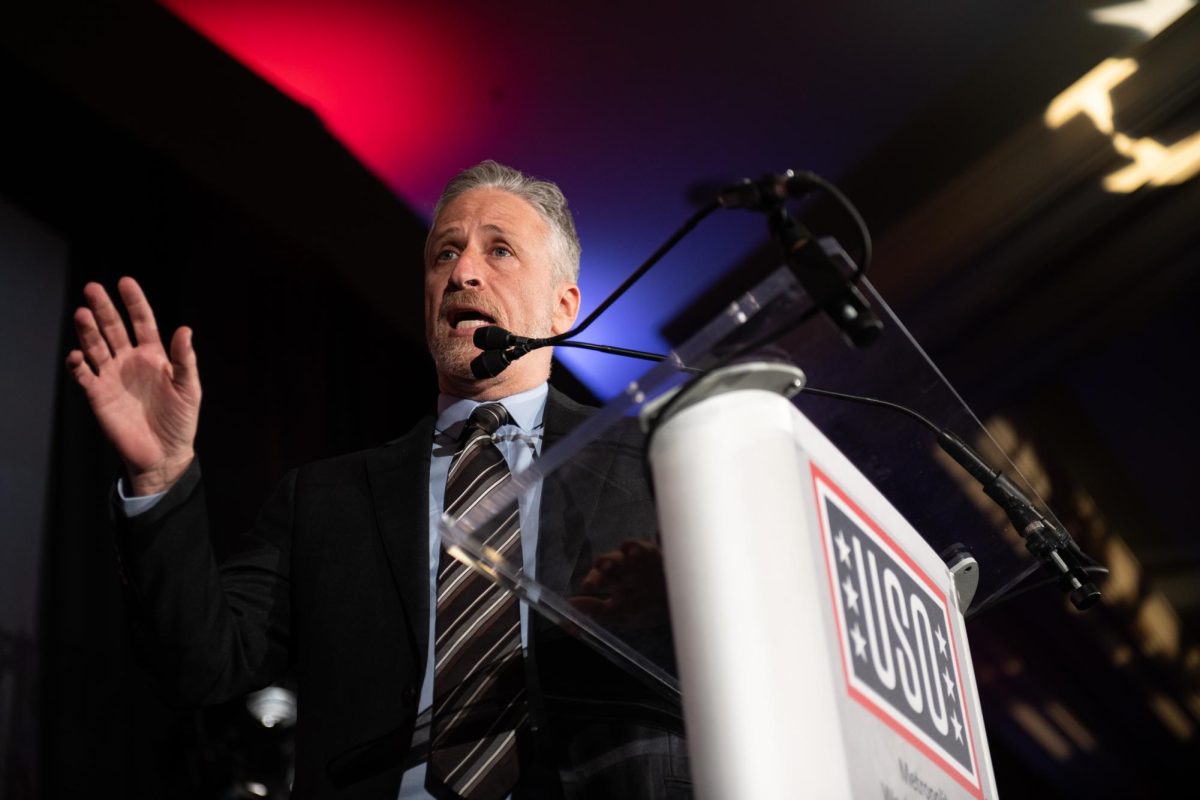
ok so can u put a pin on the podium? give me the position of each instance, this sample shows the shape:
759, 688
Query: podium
782, 574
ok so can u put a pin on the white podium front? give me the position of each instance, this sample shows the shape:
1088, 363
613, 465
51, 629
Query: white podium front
829, 658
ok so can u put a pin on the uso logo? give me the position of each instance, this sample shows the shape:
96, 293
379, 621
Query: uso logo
894, 628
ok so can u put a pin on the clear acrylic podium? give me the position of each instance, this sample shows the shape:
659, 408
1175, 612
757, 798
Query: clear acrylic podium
767, 566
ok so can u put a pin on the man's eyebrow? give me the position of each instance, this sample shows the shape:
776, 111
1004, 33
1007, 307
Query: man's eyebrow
442, 233
450, 230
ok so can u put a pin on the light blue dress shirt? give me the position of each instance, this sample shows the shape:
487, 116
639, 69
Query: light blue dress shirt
520, 443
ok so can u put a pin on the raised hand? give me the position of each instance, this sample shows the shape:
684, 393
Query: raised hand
146, 400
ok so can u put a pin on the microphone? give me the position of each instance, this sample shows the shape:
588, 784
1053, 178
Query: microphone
490, 363
1048, 542
834, 293
831, 291
493, 337
500, 348
768, 191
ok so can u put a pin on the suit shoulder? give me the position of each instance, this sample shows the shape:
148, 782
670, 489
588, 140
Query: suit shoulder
567, 414
353, 466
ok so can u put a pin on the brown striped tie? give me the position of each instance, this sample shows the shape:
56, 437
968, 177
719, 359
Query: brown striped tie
479, 684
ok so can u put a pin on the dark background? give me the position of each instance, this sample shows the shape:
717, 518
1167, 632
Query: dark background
130, 144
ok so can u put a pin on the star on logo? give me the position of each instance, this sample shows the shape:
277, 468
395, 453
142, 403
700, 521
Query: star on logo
860, 643
957, 726
941, 641
843, 548
949, 683
851, 595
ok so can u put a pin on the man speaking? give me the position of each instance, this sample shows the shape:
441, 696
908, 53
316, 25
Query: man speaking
343, 577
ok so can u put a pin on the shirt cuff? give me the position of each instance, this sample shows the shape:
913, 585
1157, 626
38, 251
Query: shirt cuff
132, 506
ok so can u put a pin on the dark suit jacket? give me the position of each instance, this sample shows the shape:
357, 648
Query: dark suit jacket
333, 580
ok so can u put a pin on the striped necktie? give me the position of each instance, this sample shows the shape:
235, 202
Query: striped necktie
479, 683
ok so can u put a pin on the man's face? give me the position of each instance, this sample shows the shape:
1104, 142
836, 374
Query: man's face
490, 260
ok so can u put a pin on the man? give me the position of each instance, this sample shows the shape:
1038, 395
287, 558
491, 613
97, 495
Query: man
343, 576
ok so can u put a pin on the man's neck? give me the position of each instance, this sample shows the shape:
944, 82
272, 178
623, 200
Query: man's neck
520, 376
449, 398
497, 388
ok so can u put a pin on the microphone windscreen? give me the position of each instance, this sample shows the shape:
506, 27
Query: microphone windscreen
489, 364
492, 337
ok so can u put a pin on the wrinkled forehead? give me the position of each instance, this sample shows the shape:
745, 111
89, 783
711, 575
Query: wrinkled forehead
488, 211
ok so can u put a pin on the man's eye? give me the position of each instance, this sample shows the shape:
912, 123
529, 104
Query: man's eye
501, 250
446, 255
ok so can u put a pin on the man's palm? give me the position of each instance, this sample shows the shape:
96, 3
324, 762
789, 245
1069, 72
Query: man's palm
147, 403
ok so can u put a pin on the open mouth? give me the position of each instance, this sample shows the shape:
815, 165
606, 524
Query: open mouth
465, 319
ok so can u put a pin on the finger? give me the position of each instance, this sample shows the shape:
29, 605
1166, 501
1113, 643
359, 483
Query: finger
632, 547
112, 327
593, 580
93, 344
609, 561
183, 359
145, 329
79, 369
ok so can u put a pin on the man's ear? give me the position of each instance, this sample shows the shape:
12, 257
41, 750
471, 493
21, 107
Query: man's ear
567, 309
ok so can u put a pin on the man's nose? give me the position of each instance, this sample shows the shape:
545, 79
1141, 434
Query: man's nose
468, 270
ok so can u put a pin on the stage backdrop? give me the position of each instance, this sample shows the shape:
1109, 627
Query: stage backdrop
33, 270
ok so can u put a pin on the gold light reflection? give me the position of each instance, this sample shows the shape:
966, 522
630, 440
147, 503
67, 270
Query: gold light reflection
1154, 164
1157, 627
1041, 730
1069, 724
1151, 17
1090, 95
1124, 573
464, 558
1121, 655
1154, 627
1172, 716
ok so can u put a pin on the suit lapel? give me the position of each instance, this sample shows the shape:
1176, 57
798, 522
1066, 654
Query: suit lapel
562, 415
399, 477
570, 497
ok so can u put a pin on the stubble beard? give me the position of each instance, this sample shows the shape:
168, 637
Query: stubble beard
452, 355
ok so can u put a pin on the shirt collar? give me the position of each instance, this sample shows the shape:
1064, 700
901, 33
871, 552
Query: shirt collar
526, 408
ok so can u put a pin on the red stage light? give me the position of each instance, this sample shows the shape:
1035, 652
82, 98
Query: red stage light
390, 81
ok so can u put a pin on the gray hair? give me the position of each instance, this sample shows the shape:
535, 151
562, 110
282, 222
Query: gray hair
544, 196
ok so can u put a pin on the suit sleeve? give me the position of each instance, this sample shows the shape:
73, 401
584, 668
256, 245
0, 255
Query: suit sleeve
207, 633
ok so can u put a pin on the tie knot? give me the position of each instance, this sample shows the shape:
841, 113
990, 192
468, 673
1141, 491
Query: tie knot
487, 418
